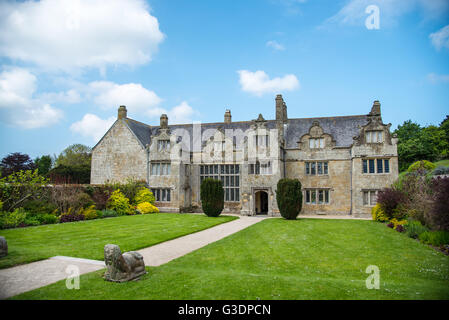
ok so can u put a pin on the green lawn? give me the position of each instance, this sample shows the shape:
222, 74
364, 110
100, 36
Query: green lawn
444, 163
280, 259
87, 239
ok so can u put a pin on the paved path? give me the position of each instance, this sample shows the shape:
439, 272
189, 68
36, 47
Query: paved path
16, 280
23, 278
169, 250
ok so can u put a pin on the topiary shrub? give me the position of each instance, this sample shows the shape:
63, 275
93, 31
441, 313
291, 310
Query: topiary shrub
212, 197
422, 167
144, 195
146, 208
119, 203
289, 198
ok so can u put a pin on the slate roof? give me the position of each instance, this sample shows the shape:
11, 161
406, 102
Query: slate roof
342, 129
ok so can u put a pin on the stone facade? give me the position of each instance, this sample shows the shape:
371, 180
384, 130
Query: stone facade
341, 161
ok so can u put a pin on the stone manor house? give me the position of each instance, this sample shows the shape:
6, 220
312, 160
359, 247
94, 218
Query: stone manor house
342, 162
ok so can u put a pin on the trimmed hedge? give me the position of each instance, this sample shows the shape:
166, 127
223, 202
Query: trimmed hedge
212, 197
289, 198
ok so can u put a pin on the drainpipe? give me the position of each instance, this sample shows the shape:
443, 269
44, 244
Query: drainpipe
350, 174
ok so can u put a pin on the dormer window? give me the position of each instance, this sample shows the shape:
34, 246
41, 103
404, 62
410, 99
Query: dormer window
261, 141
374, 136
316, 143
163, 145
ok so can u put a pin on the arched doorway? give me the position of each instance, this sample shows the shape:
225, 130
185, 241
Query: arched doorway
261, 202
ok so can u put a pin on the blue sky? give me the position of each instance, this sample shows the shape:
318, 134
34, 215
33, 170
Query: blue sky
66, 66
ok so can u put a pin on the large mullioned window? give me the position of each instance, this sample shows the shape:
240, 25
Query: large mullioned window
317, 196
260, 168
160, 169
162, 195
317, 168
376, 166
229, 174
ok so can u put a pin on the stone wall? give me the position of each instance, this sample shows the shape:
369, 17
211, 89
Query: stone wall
118, 156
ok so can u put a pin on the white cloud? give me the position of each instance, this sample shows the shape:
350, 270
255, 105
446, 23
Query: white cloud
182, 113
72, 34
436, 78
18, 106
275, 45
259, 83
136, 98
440, 39
353, 13
92, 126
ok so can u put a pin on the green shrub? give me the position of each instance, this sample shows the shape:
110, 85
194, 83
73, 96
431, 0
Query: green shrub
89, 213
144, 195
1, 205
435, 238
12, 219
39, 207
422, 166
378, 213
414, 228
212, 197
32, 220
49, 219
129, 188
107, 213
289, 198
440, 170
119, 203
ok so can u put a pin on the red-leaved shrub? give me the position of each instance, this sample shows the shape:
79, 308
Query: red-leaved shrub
389, 199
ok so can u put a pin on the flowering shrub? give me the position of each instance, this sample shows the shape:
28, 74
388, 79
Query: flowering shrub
119, 203
89, 213
397, 223
378, 214
146, 207
144, 195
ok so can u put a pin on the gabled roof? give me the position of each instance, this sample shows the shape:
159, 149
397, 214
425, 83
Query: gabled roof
342, 129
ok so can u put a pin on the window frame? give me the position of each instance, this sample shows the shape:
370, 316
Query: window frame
312, 196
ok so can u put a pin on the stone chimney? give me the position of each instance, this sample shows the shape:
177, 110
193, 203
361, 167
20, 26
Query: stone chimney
164, 121
122, 112
227, 116
279, 107
375, 110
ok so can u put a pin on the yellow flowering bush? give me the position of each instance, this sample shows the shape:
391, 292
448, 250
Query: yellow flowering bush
146, 207
378, 214
144, 195
397, 222
119, 203
89, 213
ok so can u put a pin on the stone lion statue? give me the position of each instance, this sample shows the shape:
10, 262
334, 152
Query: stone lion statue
124, 267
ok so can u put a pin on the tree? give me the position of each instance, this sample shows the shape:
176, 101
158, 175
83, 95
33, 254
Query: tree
75, 155
43, 164
212, 197
15, 162
72, 165
289, 198
421, 143
20, 187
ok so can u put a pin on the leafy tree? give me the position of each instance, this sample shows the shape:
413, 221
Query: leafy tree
15, 162
75, 155
421, 143
43, 164
20, 187
73, 165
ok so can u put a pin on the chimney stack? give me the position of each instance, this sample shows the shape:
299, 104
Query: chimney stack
375, 110
279, 107
122, 112
227, 116
164, 121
